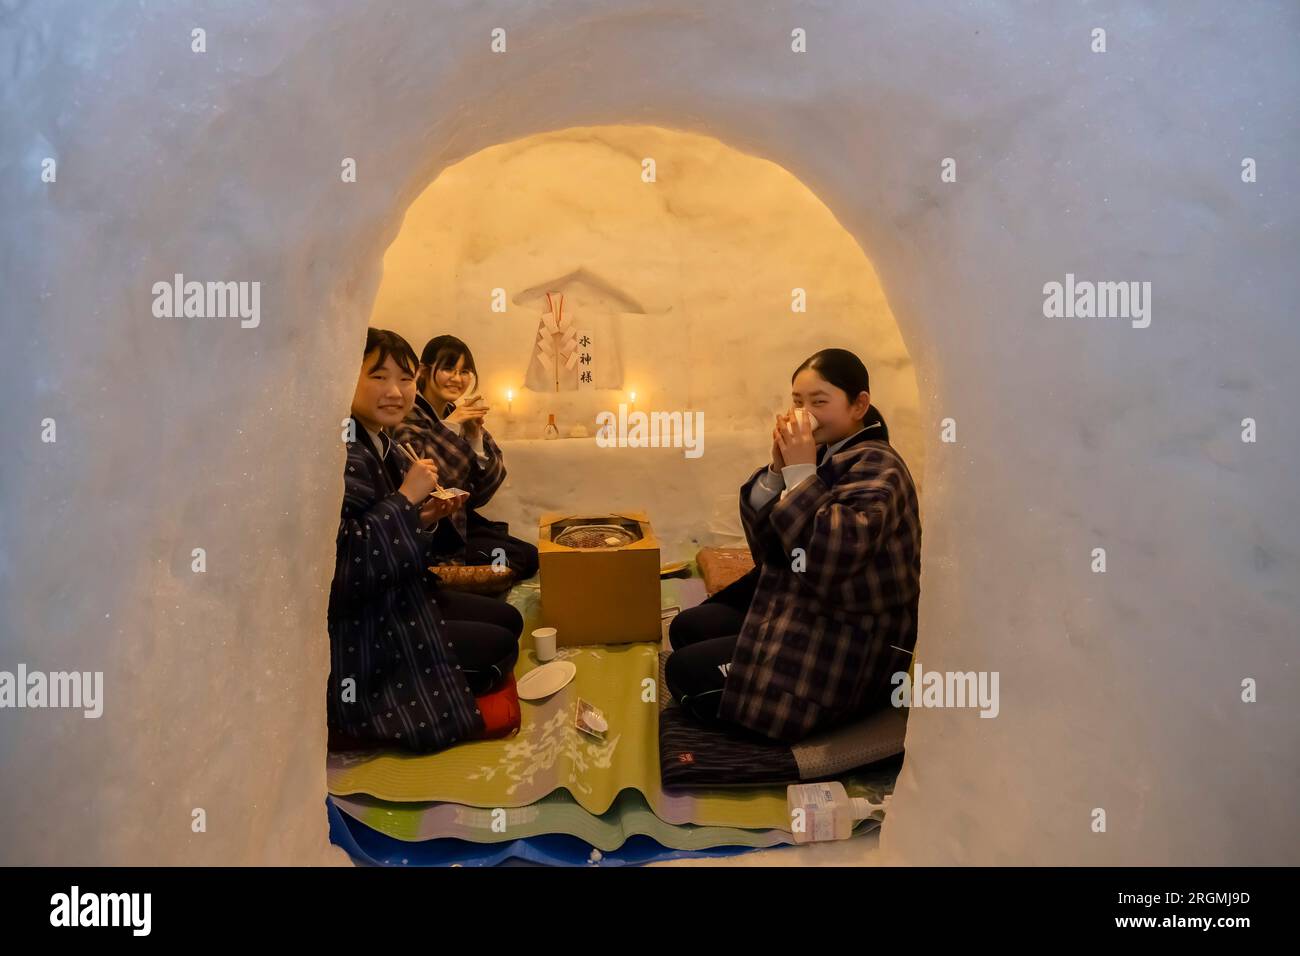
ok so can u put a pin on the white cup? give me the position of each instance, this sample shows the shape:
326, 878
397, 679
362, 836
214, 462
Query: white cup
544, 643
802, 413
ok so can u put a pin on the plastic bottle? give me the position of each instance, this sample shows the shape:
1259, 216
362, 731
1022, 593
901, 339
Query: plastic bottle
824, 811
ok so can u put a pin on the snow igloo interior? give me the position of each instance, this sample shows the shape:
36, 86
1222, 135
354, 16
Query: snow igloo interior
1122, 690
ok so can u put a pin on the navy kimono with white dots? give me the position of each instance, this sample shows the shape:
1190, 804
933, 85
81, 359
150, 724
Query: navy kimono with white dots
384, 624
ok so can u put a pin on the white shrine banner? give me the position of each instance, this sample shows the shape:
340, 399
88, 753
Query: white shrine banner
559, 361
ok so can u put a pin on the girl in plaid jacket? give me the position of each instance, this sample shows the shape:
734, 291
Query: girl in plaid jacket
443, 426
811, 637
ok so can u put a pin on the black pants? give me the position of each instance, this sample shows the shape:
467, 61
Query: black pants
483, 538
703, 640
483, 633
486, 536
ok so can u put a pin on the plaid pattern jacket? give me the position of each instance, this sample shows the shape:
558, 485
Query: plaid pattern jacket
458, 464
819, 645
384, 624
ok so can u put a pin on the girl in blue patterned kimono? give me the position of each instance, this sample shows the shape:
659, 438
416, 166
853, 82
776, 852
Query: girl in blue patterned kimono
406, 660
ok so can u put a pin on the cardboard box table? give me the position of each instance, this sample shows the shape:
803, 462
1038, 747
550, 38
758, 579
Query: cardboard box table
600, 577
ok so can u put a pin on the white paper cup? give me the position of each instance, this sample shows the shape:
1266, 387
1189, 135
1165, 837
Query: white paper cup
800, 413
544, 643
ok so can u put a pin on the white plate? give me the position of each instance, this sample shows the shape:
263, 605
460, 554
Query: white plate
545, 680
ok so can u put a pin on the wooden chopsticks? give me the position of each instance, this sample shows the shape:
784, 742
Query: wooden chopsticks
406, 449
